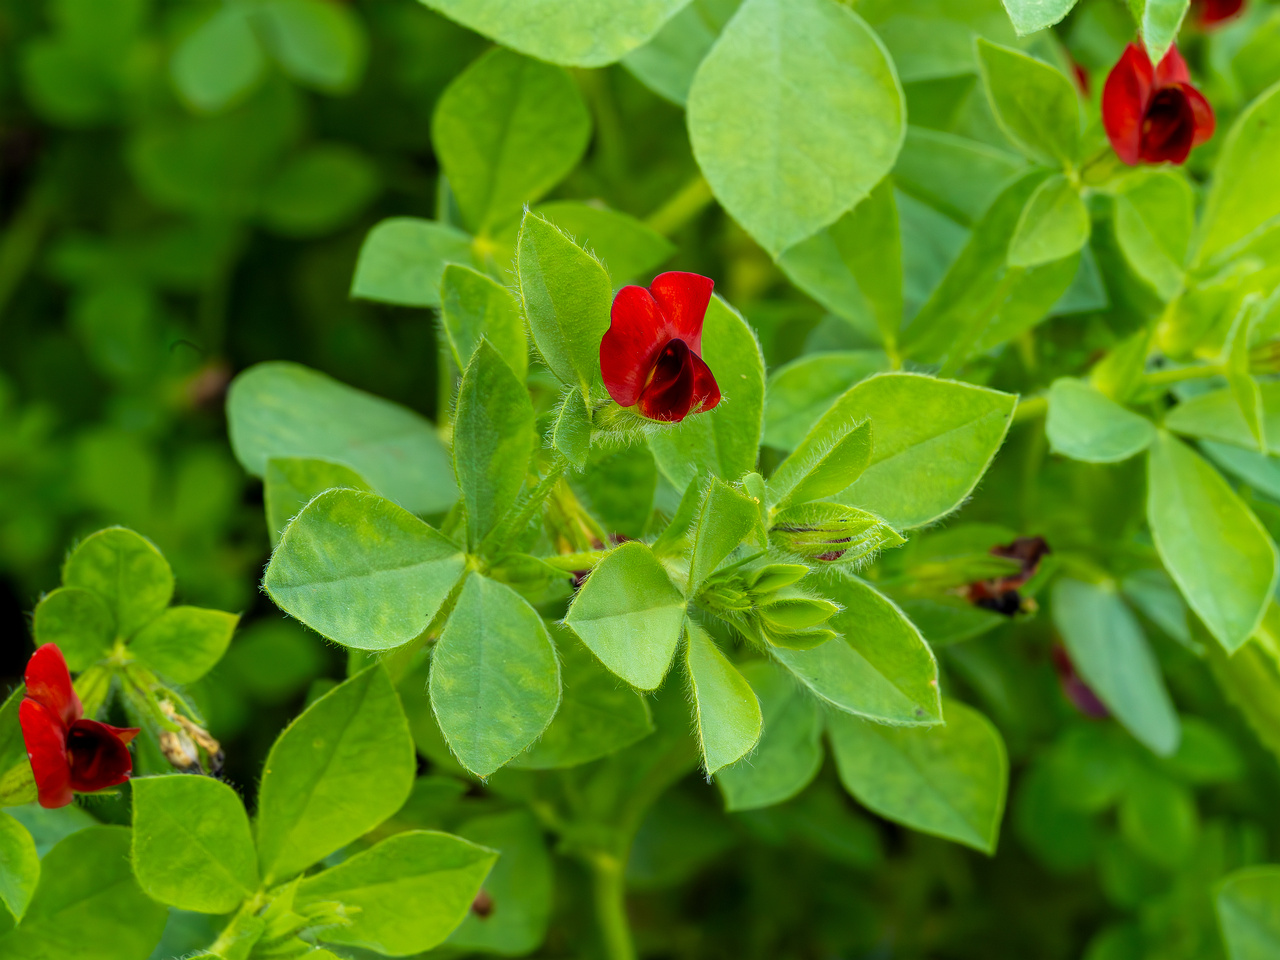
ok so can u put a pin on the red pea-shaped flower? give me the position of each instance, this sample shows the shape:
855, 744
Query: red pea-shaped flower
1210, 13
651, 355
68, 753
1154, 114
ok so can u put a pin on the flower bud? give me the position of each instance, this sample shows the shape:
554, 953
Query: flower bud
831, 532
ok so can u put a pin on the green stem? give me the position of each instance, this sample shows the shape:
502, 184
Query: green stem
1162, 378
574, 562
502, 536
1031, 408
609, 894
694, 197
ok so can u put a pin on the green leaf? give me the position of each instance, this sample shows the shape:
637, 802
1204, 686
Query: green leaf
800, 392
794, 115
1158, 818
728, 713
87, 904
626, 246
183, 643
1244, 200
495, 680
472, 307
19, 866
319, 44
854, 266
506, 130
403, 258
319, 190
879, 668
1248, 904
1259, 471
1154, 217
17, 783
825, 462
1216, 415
290, 483
726, 441
1250, 679
520, 886
667, 63
1054, 224
287, 410
409, 892
597, 715
493, 439
79, 622
1158, 23
790, 750
726, 519
1216, 550
934, 440
982, 301
956, 175
1085, 424
1028, 16
1110, 652
576, 33
566, 296
341, 768
362, 571
571, 434
127, 571
220, 62
949, 781
1037, 107
192, 846
630, 614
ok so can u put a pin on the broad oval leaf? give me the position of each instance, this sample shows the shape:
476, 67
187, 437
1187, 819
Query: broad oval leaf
1216, 415
1085, 424
726, 708
192, 846
290, 483
1036, 105
362, 571
403, 258
79, 622
794, 115
1154, 217
183, 643
1216, 550
949, 780
287, 410
1053, 225
127, 571
21, 863
800, 392
340, 769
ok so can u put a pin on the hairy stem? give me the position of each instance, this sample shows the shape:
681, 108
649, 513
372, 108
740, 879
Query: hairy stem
609, 893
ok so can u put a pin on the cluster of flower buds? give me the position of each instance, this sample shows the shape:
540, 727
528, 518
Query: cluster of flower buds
766, 603
831, 532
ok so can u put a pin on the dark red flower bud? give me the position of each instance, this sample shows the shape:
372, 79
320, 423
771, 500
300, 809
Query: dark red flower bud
1154, 114
1000, 594
651, 355
1210, 13
68, 753
1076, 690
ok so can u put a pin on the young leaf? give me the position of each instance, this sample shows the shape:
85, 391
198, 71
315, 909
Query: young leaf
879, 668
79, 622
362, 571
949, 781
1248, 904
192, 846
1245, 390
473, 307
495, 680
402, 261
20, 863
1154, 217
127, 571
290, 483
1110, 652
341, 768
1085, 424
87, 904
1158, 23
934, 439
507, 129
493, 439
794, 115
1028, 16
728, 713
1037, 106
824, 463
800, 392
726, 519
287, 410
629, 614
406, 894
1216, 550
790, 750
566, 297
726, 441
183, 643
597, 715
1216, 415
1054, 224
576, 33
571, 433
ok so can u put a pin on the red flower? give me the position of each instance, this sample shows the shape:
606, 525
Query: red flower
1210, 13
1074, 689
651, 355
68, 753
1154, 114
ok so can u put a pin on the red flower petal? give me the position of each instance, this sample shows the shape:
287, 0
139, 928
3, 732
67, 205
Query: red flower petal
1212, 12
98, 755
683, 298
1169, 127
49, 684
706, 392
1125, 98
1172, 69
1202, 114
45, 737
681, 384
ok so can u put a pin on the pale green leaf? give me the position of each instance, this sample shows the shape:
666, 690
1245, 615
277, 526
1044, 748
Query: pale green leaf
727, 517
183, 643
319, 44
1054, 224
728, 713
19, 865
1028, 16
1085, 424
220, 62
472, 306
1036, 105
125, 570
1154, 217
290, 483
403, 258
79, 622
1158, 23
